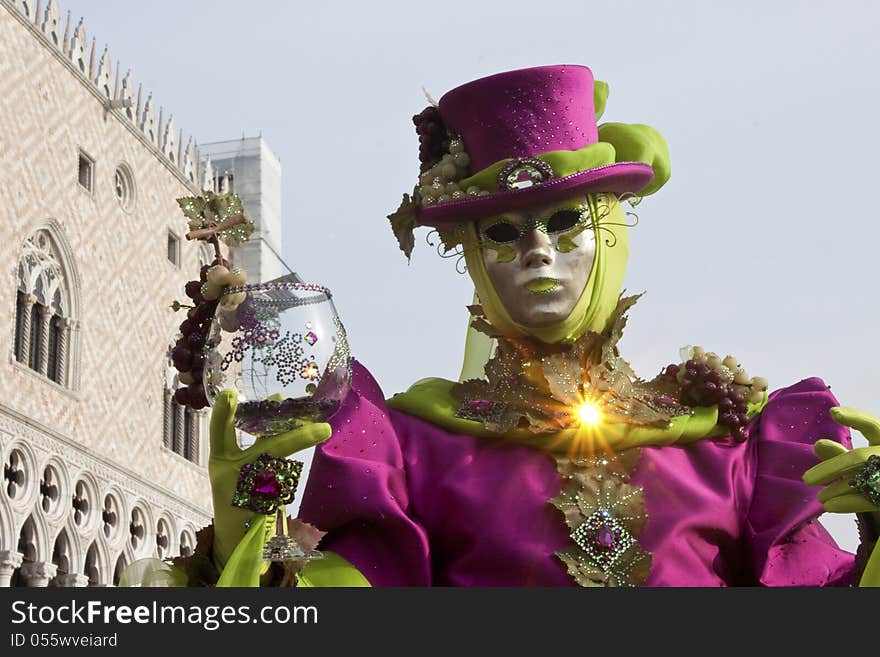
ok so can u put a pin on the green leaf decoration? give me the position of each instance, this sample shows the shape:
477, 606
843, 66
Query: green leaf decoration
211, 209
194, 210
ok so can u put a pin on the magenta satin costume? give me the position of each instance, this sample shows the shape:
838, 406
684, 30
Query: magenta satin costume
409, 503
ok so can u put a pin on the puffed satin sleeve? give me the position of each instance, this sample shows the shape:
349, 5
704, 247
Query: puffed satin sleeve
357, 492
787, 545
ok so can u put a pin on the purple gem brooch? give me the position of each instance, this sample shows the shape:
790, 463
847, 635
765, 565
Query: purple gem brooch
266, 484
603, 538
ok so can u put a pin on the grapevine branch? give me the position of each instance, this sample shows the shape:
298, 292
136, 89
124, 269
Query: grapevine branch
212, 230
210, 233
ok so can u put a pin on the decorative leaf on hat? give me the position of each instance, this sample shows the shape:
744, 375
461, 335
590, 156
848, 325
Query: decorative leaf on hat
451, 238
212, 210
403, 222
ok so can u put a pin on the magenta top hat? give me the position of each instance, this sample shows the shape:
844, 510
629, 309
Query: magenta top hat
522, 138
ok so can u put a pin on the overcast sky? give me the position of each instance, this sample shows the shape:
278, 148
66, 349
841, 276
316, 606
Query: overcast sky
763, 244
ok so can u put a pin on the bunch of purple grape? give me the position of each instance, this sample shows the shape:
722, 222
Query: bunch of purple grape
433, 140
188, 354
703, 386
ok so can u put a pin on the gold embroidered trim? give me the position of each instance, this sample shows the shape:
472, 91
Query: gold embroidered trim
539, 387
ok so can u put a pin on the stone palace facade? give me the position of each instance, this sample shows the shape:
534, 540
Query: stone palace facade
100, 466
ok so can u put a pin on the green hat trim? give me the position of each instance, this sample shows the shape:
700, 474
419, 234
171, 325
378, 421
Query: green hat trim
618, 142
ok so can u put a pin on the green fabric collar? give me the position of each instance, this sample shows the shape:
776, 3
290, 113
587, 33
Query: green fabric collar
431, 400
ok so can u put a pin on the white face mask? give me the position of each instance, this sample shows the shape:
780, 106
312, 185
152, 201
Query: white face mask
539, 260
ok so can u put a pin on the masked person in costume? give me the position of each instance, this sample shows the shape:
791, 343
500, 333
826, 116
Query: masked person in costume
551, 462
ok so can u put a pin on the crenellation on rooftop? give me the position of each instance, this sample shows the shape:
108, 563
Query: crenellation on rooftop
135, 109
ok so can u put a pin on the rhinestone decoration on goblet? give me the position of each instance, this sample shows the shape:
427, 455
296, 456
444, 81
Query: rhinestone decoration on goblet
282, 347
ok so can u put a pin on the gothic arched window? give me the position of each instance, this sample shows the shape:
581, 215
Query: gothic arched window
181, 424
46, 308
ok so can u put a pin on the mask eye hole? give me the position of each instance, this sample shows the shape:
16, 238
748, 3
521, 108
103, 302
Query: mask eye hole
563, 220
502, 232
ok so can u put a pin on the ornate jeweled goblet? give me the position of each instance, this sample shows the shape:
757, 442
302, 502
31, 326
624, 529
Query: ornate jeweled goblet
282, 347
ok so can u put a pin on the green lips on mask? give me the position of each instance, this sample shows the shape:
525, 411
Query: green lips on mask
542, 285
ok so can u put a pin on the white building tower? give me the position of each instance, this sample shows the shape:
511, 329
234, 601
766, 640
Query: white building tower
250, 169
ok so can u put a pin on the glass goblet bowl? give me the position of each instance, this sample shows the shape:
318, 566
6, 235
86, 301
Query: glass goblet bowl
282, 347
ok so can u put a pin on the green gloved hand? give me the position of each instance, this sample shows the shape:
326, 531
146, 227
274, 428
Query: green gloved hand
225, 461
839, 466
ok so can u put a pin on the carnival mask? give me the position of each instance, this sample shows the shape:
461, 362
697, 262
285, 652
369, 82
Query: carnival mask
539, 260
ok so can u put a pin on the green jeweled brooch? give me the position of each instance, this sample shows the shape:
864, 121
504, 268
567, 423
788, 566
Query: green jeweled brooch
867, 480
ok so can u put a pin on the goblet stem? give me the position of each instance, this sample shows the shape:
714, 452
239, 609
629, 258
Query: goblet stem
280, 524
